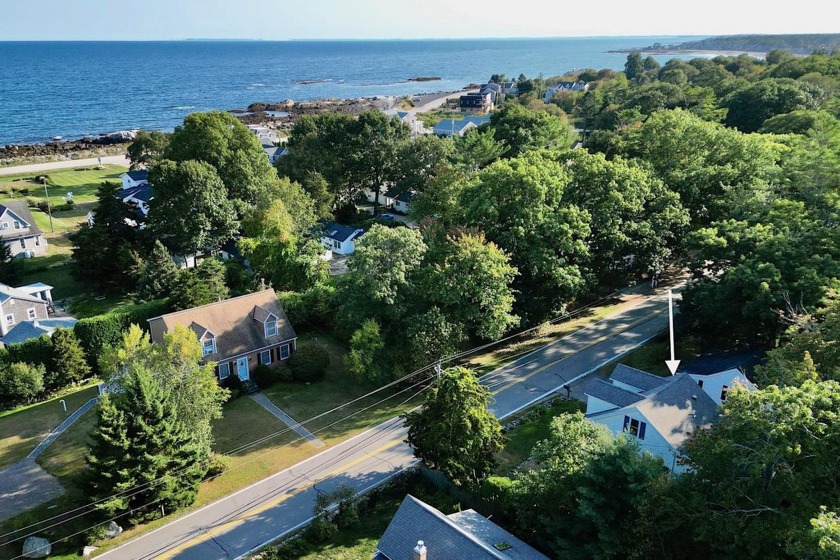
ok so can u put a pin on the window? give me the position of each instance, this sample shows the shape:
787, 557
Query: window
209, 346
10, 320
30, 313
4, 225
336, 244
224, 370
37, 241
271, 327
265, 357
700, 383
22, 243
284, 351
635, 428
17, 224
723, 392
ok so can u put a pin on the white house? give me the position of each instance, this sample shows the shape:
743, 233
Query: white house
19, 231
339, 239
451, 127
564, 86
402, 200
410, 120
384, 199
138, 198
662, 413
134, 179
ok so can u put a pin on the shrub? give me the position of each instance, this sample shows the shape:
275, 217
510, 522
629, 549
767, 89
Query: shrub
95, 333
315, 306
23, 190
309, 363
42, 206
264, 376
37, 351
218, 464
234, 384
21, 382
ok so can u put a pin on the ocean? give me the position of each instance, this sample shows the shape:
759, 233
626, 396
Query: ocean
73, 89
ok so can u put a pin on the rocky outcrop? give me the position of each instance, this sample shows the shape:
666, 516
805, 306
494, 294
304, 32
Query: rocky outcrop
36, 547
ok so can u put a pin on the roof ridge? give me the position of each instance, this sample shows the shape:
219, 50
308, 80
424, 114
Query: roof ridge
426, 507
209, 304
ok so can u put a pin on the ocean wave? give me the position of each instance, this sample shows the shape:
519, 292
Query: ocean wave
180, 107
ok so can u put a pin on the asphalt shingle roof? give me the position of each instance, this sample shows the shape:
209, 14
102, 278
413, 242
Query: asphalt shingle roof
642, 380
446, 538
678, 409
139, 175
608, 392
338, 232
232, 322
21, 210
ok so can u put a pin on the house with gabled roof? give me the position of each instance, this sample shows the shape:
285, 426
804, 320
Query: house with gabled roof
420, 532
25, 313
338, 238
236, 334
19, 231
661, 413
133, 179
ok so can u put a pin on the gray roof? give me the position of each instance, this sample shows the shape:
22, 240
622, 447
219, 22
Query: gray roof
637, 378
21, 210
678, 409
7, 292
139, 175
232, 322
608, 392
459, 537
340, 232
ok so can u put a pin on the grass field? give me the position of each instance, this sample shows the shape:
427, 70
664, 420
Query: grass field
651, 357
23, 428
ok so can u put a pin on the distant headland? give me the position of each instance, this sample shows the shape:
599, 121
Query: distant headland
752, 44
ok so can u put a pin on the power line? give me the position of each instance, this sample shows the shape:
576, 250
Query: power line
151, 484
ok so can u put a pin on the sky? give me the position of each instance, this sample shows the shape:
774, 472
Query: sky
392, 19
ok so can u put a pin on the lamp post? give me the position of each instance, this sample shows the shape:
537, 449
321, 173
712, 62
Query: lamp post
49, 209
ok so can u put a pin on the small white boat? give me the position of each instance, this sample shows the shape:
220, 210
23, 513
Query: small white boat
57, 138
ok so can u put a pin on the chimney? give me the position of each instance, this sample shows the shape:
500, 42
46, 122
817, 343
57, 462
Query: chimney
420, 551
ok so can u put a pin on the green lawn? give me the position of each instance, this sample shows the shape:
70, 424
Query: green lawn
23, 428
431, 118
522, 439
651, 357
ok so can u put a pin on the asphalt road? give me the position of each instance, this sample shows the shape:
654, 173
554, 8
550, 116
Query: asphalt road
237, 524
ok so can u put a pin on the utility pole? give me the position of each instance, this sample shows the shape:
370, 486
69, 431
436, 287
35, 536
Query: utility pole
49, 208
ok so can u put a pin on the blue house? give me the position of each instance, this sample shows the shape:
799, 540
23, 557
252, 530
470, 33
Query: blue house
451, 127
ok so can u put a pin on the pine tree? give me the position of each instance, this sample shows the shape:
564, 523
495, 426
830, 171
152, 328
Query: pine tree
158, 275
139, 445
9, 266
70, 365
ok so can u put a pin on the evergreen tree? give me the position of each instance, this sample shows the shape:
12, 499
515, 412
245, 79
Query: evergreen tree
70, 364
139, 443
158, 275
9, 266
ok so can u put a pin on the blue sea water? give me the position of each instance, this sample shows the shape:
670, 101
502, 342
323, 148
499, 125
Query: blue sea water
74, 89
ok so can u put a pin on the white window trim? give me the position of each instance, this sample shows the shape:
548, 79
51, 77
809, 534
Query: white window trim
265, 326
8, 322
265, 357
224, 366
31, 313
288, 351
212, 341
4, 225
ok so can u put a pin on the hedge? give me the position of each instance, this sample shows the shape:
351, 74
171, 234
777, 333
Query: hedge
99, 331
37, 351
316, 306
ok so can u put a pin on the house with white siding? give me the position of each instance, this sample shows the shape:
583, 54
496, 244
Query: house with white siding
661, 413
19, 231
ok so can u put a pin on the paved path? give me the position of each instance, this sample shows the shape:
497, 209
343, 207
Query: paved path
266, 403
63, 164
47, 441
237, 524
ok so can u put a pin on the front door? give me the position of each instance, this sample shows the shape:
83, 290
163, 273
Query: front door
242, 368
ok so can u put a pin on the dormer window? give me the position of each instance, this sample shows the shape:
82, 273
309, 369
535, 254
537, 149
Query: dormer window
271, 326
208, 346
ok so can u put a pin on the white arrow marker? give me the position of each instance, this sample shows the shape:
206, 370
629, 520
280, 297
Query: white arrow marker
672, 364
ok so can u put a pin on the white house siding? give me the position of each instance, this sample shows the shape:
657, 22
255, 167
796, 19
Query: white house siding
595, 405
713, 384
37, 244
653, 442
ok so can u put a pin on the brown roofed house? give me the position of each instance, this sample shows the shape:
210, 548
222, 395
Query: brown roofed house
238, 333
